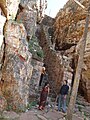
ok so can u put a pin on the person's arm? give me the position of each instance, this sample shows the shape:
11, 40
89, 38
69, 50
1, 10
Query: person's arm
48, 90
65, 96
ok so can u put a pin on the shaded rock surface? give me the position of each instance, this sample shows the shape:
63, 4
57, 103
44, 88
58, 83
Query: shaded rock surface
34, 82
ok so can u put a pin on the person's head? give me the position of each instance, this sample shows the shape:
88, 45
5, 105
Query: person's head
65, 82
46, 84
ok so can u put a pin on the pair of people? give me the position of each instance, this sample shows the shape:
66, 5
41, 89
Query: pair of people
45, 91
62, 96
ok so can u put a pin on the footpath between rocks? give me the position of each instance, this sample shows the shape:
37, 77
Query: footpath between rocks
35, 114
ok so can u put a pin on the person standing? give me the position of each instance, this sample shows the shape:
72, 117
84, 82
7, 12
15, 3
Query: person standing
43, 96
62, 97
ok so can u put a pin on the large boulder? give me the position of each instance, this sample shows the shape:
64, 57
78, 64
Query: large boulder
17, 69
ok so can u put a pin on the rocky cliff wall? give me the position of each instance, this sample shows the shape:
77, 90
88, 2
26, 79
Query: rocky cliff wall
16, 69
69, 28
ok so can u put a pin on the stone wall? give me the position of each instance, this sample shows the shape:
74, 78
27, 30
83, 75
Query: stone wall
69, 27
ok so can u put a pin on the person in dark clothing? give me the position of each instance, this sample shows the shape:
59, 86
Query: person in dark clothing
42, 74
62, 97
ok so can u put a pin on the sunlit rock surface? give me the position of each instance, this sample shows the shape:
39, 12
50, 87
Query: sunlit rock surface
17, 69
2, 22
69, 28
10, 8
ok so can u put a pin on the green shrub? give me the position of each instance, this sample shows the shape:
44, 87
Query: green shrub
34, 48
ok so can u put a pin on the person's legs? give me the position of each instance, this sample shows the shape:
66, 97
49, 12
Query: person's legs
64, 104
59, 102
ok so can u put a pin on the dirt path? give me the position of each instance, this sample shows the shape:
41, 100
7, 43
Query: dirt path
35, 114
44, 115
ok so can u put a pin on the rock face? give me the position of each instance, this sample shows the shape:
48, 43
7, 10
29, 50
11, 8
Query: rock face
3, 102
69, 27
34, 82
2, 22
15, 59
17, 70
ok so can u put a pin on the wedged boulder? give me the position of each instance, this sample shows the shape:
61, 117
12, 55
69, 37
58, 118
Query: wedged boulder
17, 68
